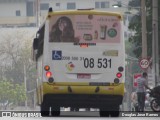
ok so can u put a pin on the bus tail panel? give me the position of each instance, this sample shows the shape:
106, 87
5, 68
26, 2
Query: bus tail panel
84, 65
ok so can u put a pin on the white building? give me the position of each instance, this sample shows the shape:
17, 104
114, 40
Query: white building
26, 12
17, 13
30, 13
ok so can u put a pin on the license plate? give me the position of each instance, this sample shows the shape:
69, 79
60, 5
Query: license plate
84, 76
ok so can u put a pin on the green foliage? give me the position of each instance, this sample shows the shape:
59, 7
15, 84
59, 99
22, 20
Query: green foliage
129, 48
134, 3
135, 25
17, 66
11, 93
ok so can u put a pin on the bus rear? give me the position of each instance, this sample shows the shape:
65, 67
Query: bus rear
83, 60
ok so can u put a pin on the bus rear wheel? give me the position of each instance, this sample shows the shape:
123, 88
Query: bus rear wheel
114, 113
109, 112
44, 110
104, 113
55, 111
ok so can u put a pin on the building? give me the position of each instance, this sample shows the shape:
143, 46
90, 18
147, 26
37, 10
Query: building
32, 13
17, 13
29, 13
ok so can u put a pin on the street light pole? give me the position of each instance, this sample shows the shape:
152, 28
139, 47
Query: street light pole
144, 38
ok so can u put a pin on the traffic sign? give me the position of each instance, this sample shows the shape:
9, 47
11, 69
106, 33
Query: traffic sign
144, 63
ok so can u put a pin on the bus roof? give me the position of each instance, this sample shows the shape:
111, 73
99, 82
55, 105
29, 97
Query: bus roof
84, 12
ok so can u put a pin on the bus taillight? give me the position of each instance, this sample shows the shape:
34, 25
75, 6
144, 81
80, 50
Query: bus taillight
46, 68
48, 74
119, 75
84, 45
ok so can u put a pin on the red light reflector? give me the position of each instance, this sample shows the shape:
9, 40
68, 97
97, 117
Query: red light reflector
119, 75
46, 68
84, 76
84, 45
48, 74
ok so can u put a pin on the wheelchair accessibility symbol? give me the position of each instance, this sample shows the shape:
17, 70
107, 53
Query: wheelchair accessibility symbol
56, 55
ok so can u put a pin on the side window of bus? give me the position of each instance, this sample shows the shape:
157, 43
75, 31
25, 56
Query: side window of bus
38, 43
35, 48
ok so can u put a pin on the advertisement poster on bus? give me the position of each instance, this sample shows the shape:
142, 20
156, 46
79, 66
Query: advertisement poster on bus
85, 29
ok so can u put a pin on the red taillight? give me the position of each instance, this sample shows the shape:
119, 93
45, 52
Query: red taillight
119, 75
84, 45
48, 74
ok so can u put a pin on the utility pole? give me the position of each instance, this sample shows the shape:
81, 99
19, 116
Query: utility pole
155, 47
143, 20
25, 85
130, 89
37, 13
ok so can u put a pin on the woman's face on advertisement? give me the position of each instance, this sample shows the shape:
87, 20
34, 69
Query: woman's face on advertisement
62, 24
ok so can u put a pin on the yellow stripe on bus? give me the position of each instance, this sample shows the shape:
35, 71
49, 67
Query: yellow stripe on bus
84, 12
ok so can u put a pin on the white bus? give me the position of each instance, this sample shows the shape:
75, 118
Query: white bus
80, 61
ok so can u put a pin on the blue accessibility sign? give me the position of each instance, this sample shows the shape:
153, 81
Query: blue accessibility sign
56, 55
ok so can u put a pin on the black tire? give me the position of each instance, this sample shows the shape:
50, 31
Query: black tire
114, 114
104, 113
44, 110
71, 109
109, 112
154, 105
87, 109
76, 109
55, 111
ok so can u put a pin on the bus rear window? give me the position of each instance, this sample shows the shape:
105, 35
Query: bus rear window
85, 29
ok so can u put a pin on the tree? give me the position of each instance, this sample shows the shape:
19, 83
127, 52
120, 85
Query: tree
129, 48
15, 59
134, 3
135, 25
28, 65
11, 94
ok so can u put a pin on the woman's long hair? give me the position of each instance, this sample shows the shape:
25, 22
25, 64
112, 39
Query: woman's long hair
56, 33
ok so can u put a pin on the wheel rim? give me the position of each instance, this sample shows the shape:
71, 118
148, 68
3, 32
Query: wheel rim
155, 105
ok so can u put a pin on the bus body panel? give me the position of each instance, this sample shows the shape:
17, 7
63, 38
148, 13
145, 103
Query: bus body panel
99, 68
84, 68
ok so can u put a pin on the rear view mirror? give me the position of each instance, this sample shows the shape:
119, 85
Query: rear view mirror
35, 48
35, 44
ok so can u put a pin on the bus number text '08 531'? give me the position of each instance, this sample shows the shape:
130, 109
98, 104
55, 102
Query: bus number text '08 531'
101, 63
